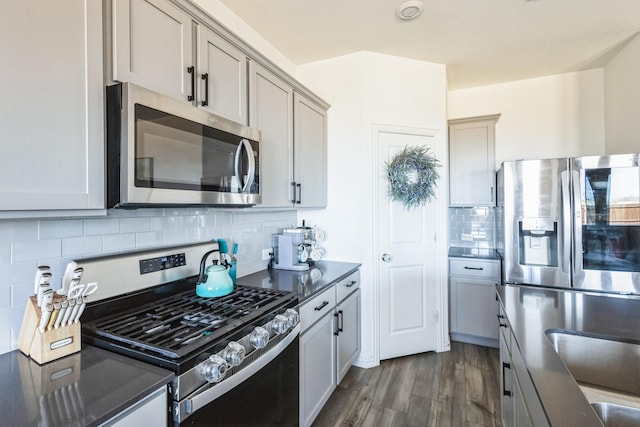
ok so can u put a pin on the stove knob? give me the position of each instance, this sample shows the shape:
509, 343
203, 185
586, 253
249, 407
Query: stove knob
280, 324
259, 337
292, 316
213, 369
234, 353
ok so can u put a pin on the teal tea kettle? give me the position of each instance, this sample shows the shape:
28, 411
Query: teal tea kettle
213, 281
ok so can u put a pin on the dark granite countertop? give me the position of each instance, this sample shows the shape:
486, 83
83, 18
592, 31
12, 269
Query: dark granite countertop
305, 283
82, 389
534, 310
481, 253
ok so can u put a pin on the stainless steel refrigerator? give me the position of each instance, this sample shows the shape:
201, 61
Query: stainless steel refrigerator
572, 222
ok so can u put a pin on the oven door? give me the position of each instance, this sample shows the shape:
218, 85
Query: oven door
265, 393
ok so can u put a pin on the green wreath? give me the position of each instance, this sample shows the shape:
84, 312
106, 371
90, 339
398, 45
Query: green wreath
413, 176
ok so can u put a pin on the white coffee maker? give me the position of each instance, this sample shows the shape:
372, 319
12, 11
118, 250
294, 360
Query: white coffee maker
286, 251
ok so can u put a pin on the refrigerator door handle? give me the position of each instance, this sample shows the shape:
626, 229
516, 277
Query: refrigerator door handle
566, 220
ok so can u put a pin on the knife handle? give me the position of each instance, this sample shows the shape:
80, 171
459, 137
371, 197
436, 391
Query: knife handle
63, 309
67, 313
54, 315
44, 320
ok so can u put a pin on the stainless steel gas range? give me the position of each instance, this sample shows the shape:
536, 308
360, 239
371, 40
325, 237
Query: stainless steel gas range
228, 353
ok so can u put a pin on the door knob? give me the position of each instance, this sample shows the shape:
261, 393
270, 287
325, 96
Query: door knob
387, 258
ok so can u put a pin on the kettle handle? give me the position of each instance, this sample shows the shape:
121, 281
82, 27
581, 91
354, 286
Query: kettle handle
202, 277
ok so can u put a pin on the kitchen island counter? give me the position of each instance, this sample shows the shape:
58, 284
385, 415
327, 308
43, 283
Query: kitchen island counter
83, 389
532, 311
306, 283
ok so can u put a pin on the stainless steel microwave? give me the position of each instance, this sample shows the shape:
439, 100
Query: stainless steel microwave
164, 152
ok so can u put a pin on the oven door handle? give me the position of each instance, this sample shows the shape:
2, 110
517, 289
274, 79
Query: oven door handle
182, 410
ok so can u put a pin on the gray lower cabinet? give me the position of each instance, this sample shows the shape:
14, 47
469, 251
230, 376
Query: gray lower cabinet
51, 113
519, 401
153, 44
473, 300
329, 343
150, 411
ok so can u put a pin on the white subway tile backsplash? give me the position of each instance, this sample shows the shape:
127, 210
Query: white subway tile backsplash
5, 251
75, 247
25, 244
60, 229
151, 238
5, 297
18, 230
119, 242
27, 250
101, 226
134, 225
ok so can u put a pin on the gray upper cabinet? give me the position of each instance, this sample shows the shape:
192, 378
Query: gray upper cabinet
293, 148
172, 47
152, 45
472, 161
272, 113
155, 45
51, 113
310, 153
223, 77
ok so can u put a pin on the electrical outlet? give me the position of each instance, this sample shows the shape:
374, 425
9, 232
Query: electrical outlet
266, 254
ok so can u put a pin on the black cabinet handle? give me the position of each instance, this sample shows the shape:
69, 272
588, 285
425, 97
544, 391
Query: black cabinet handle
336, 322
293, 191
473, 268
321, 306
502, 325
505, 392
353, 282
191, 70
299, 187
205, 77
340, 321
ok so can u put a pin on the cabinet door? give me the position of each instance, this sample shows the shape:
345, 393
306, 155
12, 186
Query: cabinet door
271, 103
51, 112
310, 153
153, 46
474, 307
506, 388
472, 163
222, 77
317, 368
348, 324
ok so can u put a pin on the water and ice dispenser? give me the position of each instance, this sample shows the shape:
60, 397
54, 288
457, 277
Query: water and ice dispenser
538, 241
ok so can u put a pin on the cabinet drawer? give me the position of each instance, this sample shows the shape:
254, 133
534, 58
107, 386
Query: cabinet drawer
312, 310
484, 269
346, 286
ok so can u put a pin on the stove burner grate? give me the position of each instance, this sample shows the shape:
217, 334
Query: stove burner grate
177, 325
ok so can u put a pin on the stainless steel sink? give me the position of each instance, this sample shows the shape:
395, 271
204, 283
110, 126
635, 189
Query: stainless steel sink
616, 415
598, 361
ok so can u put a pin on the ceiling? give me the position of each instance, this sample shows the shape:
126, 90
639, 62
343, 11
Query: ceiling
481, 41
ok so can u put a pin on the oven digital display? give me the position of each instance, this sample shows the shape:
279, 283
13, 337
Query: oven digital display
151, 265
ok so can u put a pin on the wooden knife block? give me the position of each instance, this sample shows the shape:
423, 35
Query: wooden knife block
50, 345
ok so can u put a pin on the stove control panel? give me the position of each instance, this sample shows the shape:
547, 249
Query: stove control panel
166, 262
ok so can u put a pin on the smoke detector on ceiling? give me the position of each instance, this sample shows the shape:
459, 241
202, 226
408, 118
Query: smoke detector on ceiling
409, 9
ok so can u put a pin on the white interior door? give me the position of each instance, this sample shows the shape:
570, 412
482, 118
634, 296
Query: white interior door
407, 276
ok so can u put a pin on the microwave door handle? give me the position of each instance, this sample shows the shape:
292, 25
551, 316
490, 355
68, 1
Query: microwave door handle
252, 165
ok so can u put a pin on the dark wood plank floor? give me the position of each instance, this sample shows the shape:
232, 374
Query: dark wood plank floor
456, 388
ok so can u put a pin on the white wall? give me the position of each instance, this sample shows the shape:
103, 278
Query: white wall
554, 116
622, 100
366, 89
